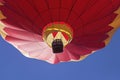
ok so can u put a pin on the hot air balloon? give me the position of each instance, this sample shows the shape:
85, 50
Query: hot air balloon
58, 30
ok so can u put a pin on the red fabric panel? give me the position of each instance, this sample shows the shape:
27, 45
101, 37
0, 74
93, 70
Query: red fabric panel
65, 36
67, 4
97, 26
94, 10
46, 17
39, 5
55, 15
81, 6
78, 50
18, 21
54, 34
63, 14
71, 19
54, 4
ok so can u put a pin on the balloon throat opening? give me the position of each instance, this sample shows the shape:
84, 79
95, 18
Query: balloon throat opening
57, 35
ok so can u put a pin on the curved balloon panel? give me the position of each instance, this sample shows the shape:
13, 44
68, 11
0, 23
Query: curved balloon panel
58, 30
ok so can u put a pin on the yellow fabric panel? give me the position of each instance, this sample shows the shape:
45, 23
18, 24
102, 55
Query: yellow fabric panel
2, 32
2, 16
83, 57
115, 24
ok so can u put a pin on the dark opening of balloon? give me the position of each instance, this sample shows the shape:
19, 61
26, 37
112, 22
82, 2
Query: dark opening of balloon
57, 46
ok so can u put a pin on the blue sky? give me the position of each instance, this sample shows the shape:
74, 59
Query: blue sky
102, 65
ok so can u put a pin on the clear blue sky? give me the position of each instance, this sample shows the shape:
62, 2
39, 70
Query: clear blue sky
102, 65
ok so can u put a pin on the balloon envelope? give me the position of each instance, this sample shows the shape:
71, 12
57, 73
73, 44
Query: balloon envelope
87, 25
